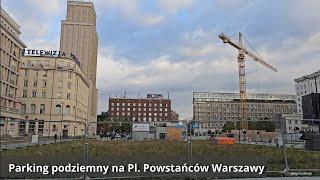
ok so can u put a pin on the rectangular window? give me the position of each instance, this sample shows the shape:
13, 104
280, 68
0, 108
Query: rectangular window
25, 93
45, 73
35, 83
26, 73
69, 85
69, 75
44, 83
25, 83
22, 127
60, 83
68, 95
41, 126
59, 94
34, 93
43, 94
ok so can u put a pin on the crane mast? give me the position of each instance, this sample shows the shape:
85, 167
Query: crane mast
242, 51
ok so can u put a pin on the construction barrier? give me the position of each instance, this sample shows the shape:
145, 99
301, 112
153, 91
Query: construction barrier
224, 140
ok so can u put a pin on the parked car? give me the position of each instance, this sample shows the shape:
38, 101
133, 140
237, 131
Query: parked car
117, 136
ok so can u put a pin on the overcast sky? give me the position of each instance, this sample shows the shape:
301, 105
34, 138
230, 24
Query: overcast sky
162, 46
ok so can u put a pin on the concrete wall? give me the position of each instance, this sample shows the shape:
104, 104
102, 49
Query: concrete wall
139, 136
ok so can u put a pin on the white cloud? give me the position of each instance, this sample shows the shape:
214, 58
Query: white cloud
116, 74
198, 33
32, 29
44, 44
172, 6
48, 6
205, 50
129, 10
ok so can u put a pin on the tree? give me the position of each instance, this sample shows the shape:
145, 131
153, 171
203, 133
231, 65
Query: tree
102, 117
228, 126
251, 124
266, 125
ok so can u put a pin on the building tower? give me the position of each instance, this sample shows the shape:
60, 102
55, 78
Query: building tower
79, 36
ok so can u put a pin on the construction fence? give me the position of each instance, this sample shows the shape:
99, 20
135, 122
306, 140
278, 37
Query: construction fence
189, 141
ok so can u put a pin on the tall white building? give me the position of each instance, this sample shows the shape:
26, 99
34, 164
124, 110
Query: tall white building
306, 85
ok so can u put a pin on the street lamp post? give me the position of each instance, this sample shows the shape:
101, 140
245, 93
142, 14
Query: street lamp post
74, 131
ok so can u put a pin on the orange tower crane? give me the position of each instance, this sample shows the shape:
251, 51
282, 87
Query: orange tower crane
242, 74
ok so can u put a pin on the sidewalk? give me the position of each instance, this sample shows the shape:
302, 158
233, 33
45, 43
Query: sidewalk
21, 144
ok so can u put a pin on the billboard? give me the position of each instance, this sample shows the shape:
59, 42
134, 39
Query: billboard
140, 127
155, 96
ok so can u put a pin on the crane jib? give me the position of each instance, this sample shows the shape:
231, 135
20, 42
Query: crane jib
242, 78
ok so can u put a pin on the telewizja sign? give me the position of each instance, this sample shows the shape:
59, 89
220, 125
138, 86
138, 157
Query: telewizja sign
52, 53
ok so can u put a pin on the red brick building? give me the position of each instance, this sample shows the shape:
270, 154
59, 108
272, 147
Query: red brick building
150, 109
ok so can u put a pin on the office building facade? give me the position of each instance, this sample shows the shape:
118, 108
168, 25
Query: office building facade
141, 109
306, 85
10, 53
294, 123
215, 109
54, 92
